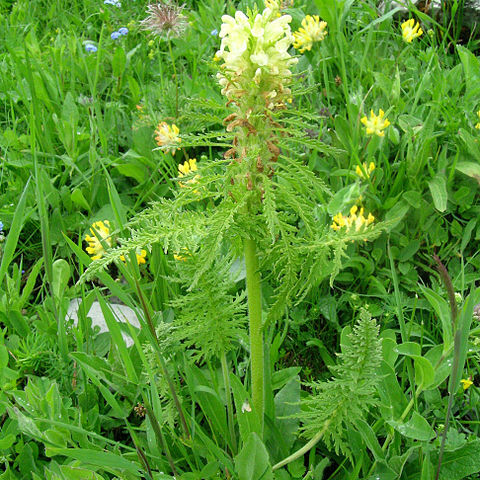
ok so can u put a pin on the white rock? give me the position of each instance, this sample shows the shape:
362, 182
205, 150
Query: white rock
122, 313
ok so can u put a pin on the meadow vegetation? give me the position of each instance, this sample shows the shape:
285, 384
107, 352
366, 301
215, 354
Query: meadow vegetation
286, 194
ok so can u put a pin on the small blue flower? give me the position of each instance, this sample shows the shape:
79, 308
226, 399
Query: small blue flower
115, 3
214, 32
123, 31
90, 48
115, 35
1, 226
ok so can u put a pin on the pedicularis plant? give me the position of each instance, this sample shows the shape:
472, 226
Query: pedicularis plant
262, 206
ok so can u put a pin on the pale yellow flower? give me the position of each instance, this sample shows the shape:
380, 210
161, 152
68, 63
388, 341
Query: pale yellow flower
366, 171
477, 126
140, 254
256, 48
353, 221
466, 383
410, 30
100, 237
313, 31
376, 123
167, 137
277, 6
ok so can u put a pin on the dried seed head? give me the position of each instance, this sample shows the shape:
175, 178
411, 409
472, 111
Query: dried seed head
165, 20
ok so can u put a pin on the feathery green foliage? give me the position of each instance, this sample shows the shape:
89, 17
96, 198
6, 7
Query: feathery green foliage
335, 405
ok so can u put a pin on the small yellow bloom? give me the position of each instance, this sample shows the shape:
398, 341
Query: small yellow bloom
467, 383
167, 137
140, 254
313, 31
477, 126
376, 123
368, 170
181, 256
410, 30
186, 169
354, 220
100, 236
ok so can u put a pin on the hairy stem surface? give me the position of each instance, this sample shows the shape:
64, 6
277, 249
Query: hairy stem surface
254, 298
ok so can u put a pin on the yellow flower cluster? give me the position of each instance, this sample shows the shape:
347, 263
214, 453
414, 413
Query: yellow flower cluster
312, 30
140, 254
477, 126
101, 238
410, 30
167, 137
365, 172
353, 221
256, 48
185, 169
466, 383
376, 123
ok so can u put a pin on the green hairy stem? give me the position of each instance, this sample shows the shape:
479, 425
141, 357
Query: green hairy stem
254, 296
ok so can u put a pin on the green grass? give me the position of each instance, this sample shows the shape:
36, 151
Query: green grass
77, 146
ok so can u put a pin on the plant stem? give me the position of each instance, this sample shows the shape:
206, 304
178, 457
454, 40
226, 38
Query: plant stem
228, 398
302, 451
254, 298
161, 361
176, 77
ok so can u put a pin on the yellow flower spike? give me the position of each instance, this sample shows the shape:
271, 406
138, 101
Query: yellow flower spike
410, 30
100, 236
477, 126
140, 254
167, 137
355, 220
466, 383
312, 30
376, 123
366, 172
185, 169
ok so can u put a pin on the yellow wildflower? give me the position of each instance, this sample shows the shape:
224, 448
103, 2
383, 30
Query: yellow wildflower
167, 137
376, 123
181, 256
477, 126
140, 254
100, 237
467, 383
410, 30
365, 172
354, 220
186, 169
313, 31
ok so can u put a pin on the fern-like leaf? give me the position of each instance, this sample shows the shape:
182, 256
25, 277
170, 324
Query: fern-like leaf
337, 404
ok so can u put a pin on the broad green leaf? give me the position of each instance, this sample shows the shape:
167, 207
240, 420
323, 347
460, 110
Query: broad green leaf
408, 348
438, 189
472, 169
370, 439
417, 428
287, 406
119, 61
107, 461
78, 198
61, 276
252, 463
460, 463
